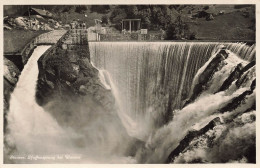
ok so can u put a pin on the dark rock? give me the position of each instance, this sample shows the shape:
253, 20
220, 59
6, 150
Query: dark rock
11, 75
244, 78
16, 60
248, 66
85, 65
75, 69
50, 84
246, 74
184, 143
81, 81
250, 154
235, 74
11, 72
67, 78
232, 117
209, 17
82, 90
212, 67
50, 75
252, 87
73, 57
207, 75
8, 89
236, 102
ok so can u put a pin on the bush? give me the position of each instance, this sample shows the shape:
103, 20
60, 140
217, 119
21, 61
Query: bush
192, 36
116, 17
69, 9
206, 7
100, 8
152, 17
81, 8
104, 19
241, 6
177, 30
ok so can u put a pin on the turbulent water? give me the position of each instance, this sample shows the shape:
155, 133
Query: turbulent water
35, 136
151, 83
154, 78
31, 130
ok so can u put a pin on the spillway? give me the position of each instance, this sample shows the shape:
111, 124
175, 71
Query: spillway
155, 78
165, 92
30, 129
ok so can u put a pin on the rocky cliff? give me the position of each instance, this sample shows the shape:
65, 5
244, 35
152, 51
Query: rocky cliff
68, 85
229, 134
11, 75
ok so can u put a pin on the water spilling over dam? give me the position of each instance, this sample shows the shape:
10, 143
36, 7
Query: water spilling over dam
176, 102
155, 78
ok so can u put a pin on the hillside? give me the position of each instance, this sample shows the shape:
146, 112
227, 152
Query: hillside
201, 22
234, 25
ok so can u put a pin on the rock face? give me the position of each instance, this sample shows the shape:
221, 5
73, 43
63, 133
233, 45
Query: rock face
230, 136
11, 75
67, 83
35, 22
190, 136
207, 74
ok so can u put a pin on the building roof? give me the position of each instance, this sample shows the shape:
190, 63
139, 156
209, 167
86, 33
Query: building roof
42, 12
131, 19
98, 20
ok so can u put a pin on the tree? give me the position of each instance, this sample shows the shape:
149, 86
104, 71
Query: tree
206, 7
104, 19
179, 30
81, 8
116, 17
153, 17
69, 9
100, 8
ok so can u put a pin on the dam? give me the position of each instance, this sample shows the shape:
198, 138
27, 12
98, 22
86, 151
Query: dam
166, 95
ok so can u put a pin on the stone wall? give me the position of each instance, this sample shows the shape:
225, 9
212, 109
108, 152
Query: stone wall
76, 37
131, 37
49, 38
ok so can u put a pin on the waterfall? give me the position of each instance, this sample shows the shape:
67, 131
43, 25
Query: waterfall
155, 78
164, 91
152, 80
35, 136
32, 130
27, 121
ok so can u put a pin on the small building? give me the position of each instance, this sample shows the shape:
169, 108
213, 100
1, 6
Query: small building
35, 11
98, 25
98, 21
131, 25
